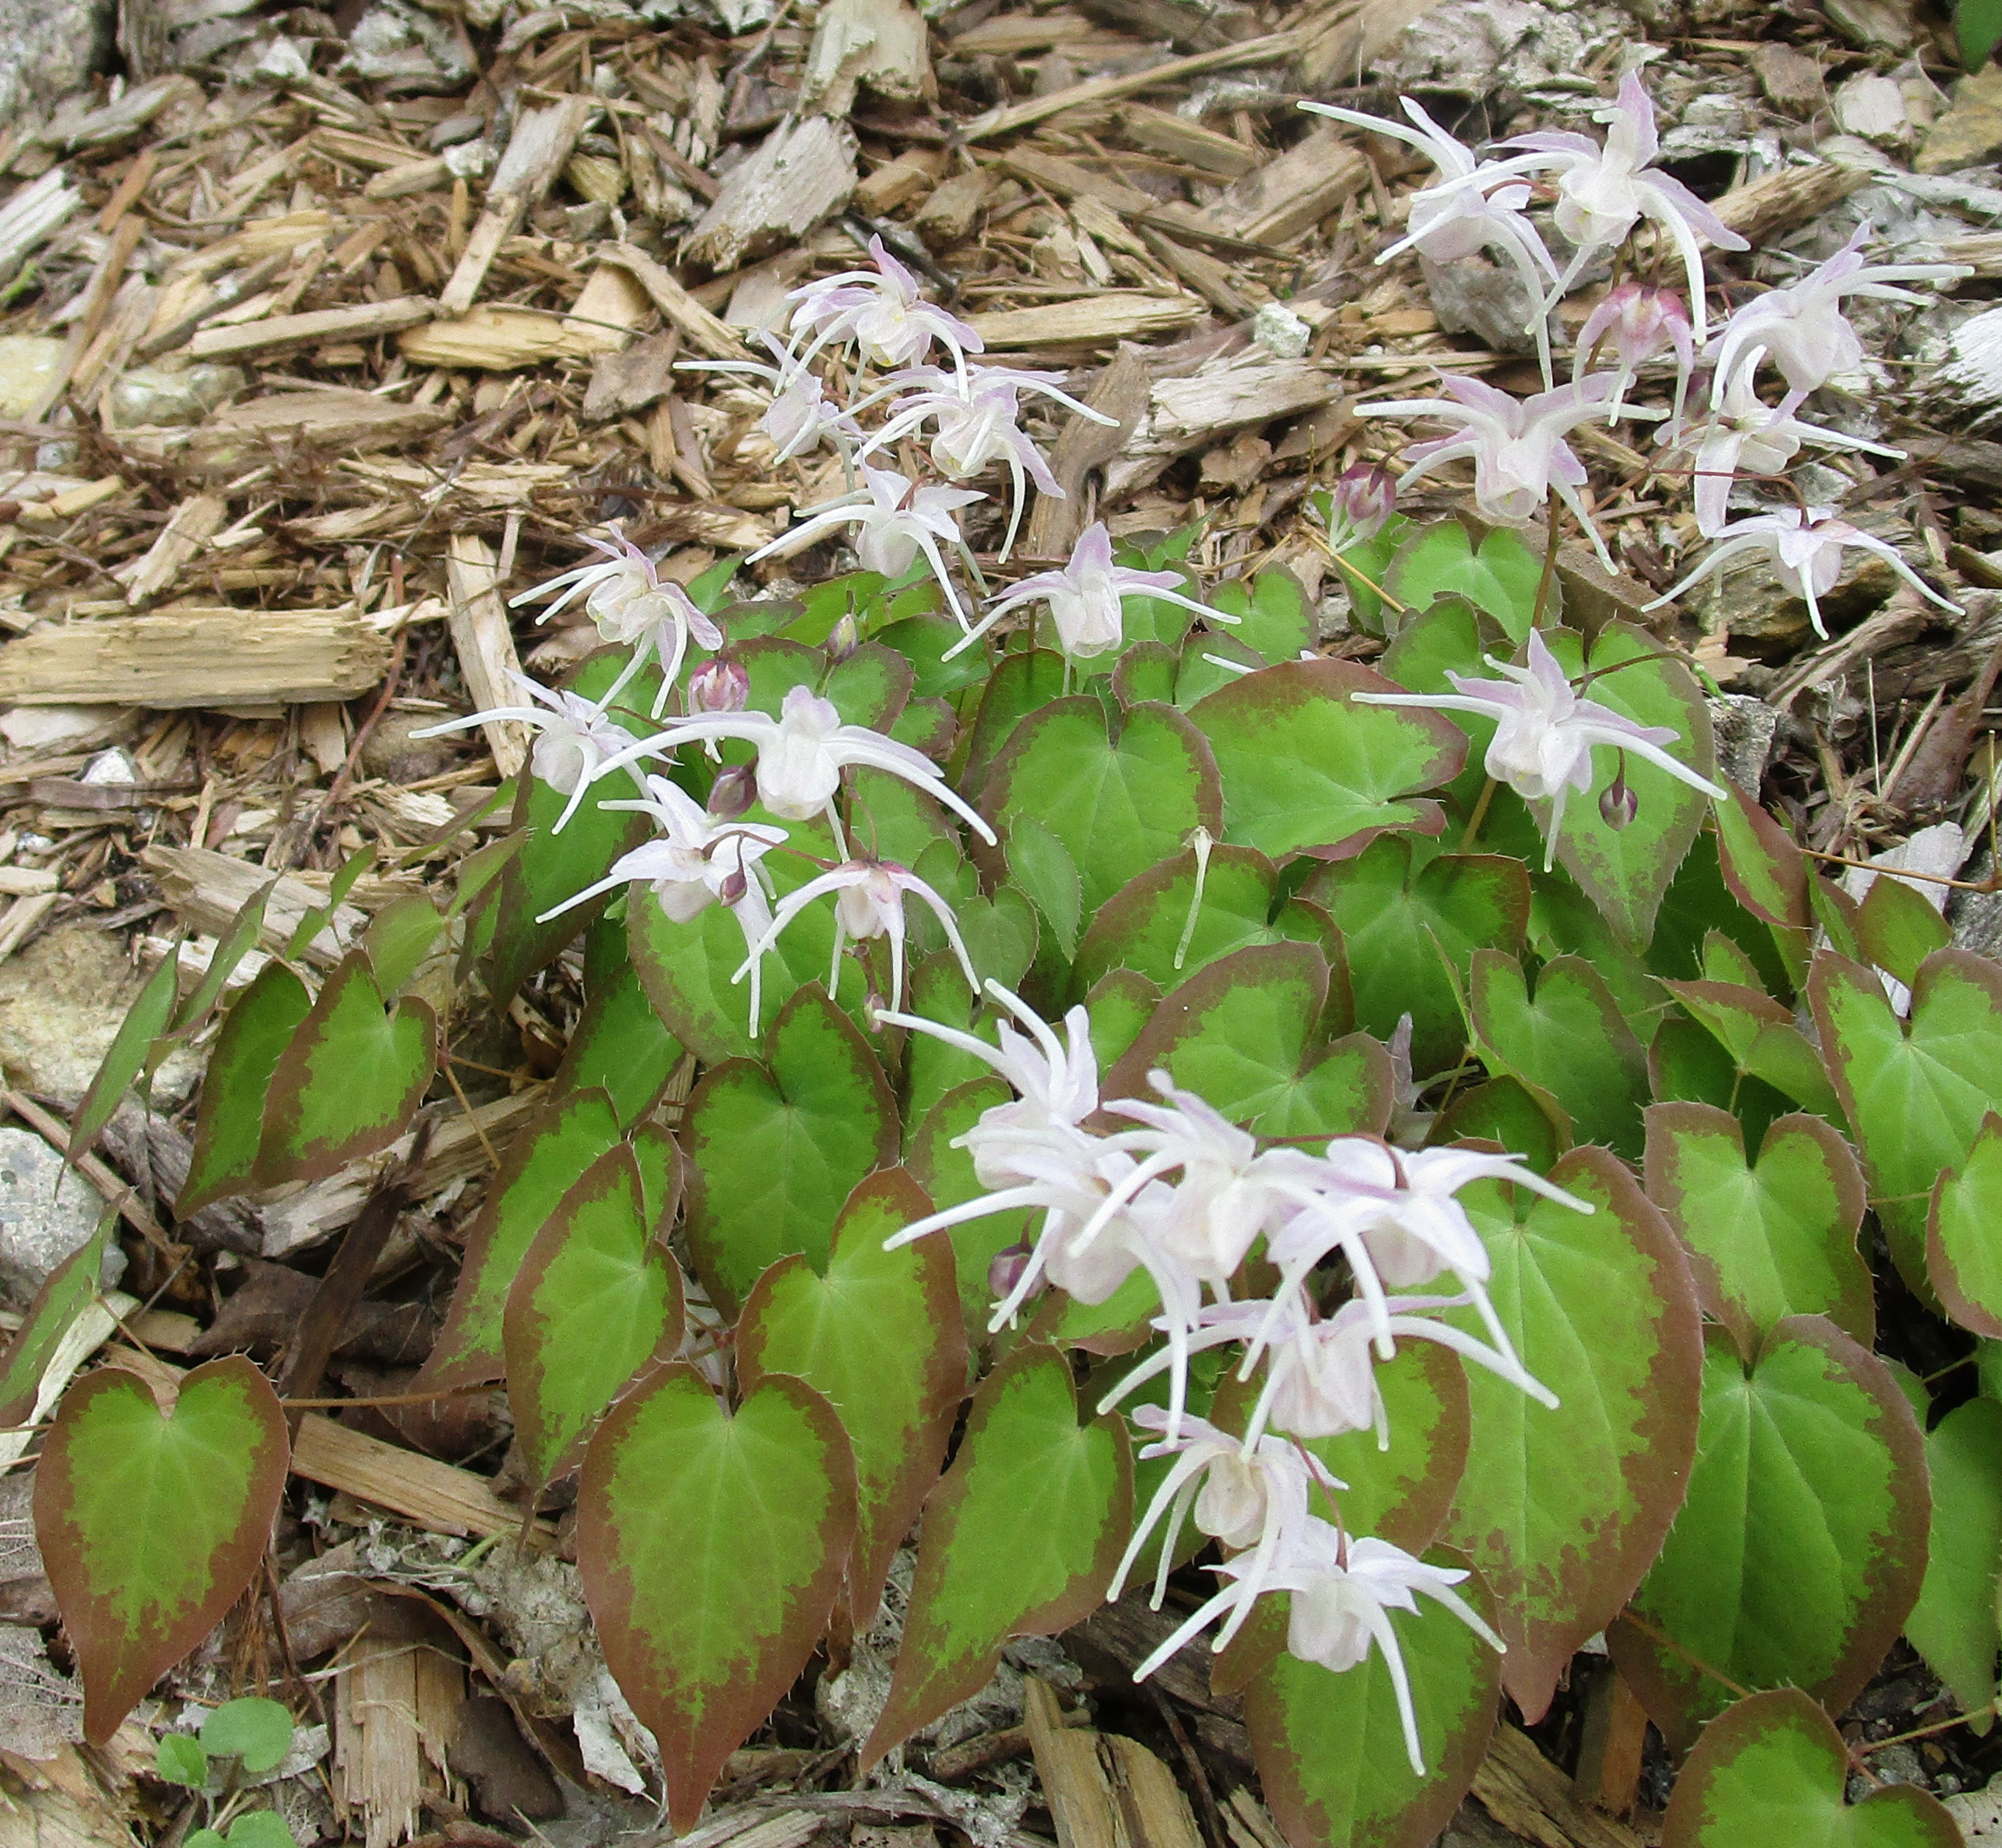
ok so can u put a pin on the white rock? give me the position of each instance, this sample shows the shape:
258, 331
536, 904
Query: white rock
1875, 108
46, 1213
1280, 332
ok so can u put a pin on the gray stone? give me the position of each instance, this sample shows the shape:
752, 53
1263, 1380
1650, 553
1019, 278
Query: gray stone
46, 1213
159, 395
1486, 299
47, 49
1746, 728
62, 1001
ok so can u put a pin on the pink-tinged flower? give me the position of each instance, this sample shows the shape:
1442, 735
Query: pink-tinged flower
1472, 207
802, 752
575, 741
1604, 191
897, 521
632, 605
1085, 598
1359, 505
1746, 436
1805, 549
695, 861
1638, 322
977, 419
801, 417
882, 311
1801, 328
1544, 733
719, 686
1517, 445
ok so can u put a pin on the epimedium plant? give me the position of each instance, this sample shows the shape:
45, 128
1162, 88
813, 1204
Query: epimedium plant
1366, 1113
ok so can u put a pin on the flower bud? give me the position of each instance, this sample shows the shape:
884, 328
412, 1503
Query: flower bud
733, 887
845, 638
719, 686
732, 792
1362, 498
1004, 1272
1636, 323
1618, 804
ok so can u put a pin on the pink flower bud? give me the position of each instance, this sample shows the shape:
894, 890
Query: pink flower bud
719, 686
1362, 498
731, 793
1005, 1270
845, 638
1618, 804
733, 887
1635, 323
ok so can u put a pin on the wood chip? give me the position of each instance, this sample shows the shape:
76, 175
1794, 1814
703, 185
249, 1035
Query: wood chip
1075, 1786
1787, 196
197, 657
485, 645
1185, 415
1273, 203
363, 321
896, 182
1083, 446
498, 340
709, 335
436, 1495
800, 175
413, 177
537, 150
874, 44
1099, 320
1524, 1791
192, 524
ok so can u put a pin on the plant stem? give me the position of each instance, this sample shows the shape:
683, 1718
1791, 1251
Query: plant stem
1554, 508
1479, 816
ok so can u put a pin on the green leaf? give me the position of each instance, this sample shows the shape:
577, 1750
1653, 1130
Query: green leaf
1767, 874
1154, 925
1760, 1035
946, 1174
130, 1050
1330, 1747
1502, 577
1020, 1538
1916, 1091
775, 1148
1626, 872
596, 1298
1306, 770
1410, 925
1506, 1111
346, 876
1021, 683
1563, 1510
1978, 25
1118, 804
549, 1156
228, 1125
1898, 929
879, 1336
350, 1081
620, 1046
1953, 1625
1963, 1250
260, 1828
711, 1546
1800, 1547
399, 938
1773, 1770
245, 929
1278, 621
66, 1292
1040, 865
922, 641
179, 1758
151, 1525
552, 867
1567, 1040
1245, 1034
255, 1730
1768, 1239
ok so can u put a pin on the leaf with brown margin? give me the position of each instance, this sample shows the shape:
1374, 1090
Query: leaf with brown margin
150, 1525
1963, 1252
712, 1545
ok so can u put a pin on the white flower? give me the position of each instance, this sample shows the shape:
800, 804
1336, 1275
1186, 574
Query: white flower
898, 522
1638, 322
802, 752
1517, 445
883, 313
1086, 597
1544, 733
1801, 328
575, 743
631, 605
801, 417
1804, 547
870, 904
1604, 191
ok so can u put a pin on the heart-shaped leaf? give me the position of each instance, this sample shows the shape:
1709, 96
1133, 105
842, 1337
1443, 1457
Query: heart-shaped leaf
398, 939
229, 1122
1245, 1035
1306, 770
1409, 924
66, 1292
1040, 865
1801, 1545
1021, 683
1119, 802
150, 1525
541, 1164
1276, 620
1330, 1747
1567, 1039
350, 1081
776, 1148
1954, 1624
596, 1298
1563, 1510
1181, 916
1767, 874
1773, 1768
1897, 928
1762, 1042
1963, 1252
620, 1046
1916, 1091
712, 1545
1768, 1239
1502, 578
879, 1336
945, 1173
1020, 1538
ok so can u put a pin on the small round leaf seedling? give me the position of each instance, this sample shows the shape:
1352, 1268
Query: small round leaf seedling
259, 1732
180, 1759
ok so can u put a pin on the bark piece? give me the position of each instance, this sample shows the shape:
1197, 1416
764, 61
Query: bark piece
537, 150
625, 384
1075, 1786
1787, 196
710, 336
948, 216
1524, 1791
1099, 320
499, 339
197, 657
363, 321
190, 528
205, 890
240, 436
1188, 413
800, 175
485, 645
897, 182
396, 1710
877, 45
1083, 446
1342, 39
1176, 138
1273, 203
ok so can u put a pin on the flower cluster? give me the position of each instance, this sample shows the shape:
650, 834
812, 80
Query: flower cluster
1356, 1233
1601, 193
